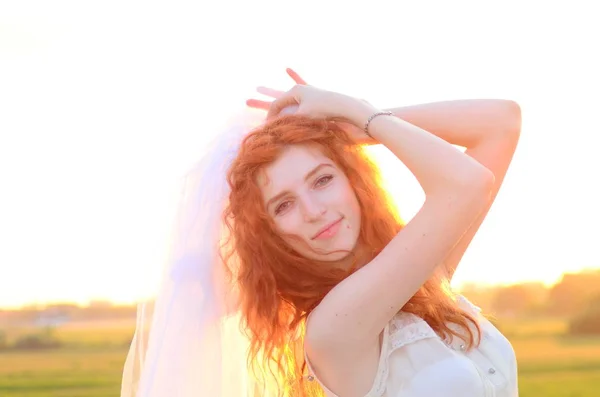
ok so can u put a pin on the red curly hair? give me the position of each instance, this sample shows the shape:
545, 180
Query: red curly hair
277, 287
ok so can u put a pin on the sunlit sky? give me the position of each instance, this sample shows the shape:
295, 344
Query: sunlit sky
104, 104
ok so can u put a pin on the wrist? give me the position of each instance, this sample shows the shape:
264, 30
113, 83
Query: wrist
357, 111
372, 117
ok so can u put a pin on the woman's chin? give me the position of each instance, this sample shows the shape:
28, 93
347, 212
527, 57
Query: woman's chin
340, 258
337, 256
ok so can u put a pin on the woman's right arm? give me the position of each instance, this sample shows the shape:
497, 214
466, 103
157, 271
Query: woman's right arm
457, 189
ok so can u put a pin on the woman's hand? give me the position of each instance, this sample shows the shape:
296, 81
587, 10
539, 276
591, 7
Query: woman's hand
313, 102
265, 105
354, 131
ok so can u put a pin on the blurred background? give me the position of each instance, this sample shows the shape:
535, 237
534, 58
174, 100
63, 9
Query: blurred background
104, 105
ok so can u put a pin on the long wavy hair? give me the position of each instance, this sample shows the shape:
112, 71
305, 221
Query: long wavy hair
277, 287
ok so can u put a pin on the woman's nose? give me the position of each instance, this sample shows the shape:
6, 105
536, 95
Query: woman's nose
312, 209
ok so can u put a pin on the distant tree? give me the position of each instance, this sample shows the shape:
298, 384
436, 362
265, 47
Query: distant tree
481, 295
3, 340
588, 322
518, 298
37, 341
571, 295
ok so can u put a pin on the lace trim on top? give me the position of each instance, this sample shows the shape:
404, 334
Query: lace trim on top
405, 328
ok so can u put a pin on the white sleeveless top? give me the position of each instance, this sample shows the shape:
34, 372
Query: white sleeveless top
416, 362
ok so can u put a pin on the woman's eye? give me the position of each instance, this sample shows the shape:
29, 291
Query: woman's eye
282, 207
324, 180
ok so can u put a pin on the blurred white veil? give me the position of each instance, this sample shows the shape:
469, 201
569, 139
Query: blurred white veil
187, 341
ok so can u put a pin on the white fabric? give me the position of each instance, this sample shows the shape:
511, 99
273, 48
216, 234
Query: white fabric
416, 362
187, 341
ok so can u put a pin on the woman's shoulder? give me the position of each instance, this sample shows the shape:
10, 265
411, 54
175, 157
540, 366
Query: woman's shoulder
467, 304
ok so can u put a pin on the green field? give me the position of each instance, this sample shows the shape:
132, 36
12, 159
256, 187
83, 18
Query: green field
90, 364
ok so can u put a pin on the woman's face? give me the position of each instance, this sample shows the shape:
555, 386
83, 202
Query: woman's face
312, 204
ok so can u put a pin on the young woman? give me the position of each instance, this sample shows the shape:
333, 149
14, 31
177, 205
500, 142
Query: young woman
335, 295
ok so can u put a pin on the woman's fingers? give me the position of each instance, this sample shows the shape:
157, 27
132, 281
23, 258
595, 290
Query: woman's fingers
258, 104
289, 98
269, 92
276, 94
295, 76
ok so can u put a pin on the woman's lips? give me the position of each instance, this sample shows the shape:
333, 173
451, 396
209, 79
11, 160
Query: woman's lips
329, 230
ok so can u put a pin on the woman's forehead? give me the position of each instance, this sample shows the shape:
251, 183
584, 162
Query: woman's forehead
292, 166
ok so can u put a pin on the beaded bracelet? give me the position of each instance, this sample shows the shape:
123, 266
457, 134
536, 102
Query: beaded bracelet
371, 119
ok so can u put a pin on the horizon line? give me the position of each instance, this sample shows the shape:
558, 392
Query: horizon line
108, 302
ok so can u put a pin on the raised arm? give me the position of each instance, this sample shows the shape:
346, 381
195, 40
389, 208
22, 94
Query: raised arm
457, 190
489, 129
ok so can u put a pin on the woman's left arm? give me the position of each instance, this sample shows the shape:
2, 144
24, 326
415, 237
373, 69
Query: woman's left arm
489, 129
